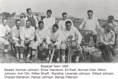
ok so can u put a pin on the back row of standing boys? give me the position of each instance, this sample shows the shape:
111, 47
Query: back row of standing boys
47, 34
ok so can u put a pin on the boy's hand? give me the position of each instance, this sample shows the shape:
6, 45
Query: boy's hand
104, 43
5, 38
27, 38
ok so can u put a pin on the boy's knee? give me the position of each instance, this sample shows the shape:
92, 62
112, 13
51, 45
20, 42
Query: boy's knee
6, 42
63, 46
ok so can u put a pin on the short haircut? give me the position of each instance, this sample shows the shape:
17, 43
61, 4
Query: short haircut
68, 22
111, 17
17, 20
49, 11
40, 22
4, 19
64, 13
56, 25
90, 11
28, 9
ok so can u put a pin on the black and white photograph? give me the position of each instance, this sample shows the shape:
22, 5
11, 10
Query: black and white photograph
58, 31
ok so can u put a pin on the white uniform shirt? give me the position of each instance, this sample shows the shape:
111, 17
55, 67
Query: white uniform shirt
27, 33
108, 38
4, 30
56, 37
15, 32
49, 22
90, 24
43, 34
74, 32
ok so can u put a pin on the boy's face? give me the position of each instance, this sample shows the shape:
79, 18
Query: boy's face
54, 29
28, 24
68, 26
64, 16
90, 14
18, 23
109, 28
4, 22
110, 20
30, 12
41, 25
49, 14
